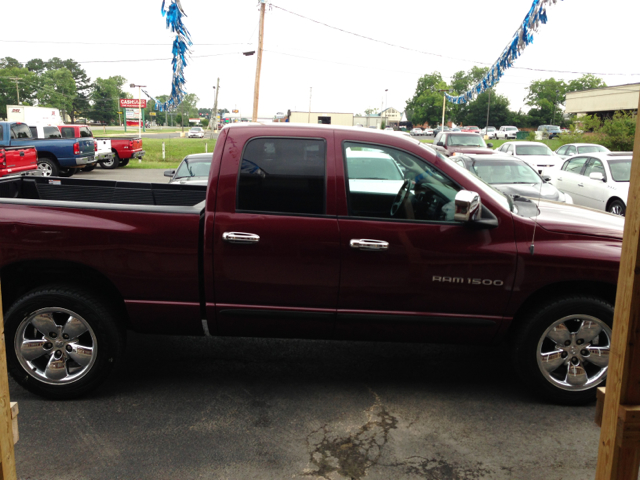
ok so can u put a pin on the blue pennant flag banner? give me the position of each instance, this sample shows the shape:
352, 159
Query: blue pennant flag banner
181, 45
521, 39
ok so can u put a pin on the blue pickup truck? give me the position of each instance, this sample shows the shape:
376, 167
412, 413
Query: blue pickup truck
58, 157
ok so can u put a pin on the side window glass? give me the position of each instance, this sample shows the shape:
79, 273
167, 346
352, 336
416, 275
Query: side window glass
594, 166
575, 165
34, 132
571, 150
391, 184
67, 132
20, 130
562, 150
283, 175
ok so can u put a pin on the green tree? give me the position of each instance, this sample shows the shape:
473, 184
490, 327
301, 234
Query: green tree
616, 133
426, 103
461, 82
10, 62
585, 82
105, 99
546, 97
27, 87
57, 89
499, 113
371, 111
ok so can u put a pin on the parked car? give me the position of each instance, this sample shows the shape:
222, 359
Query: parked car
193, 170
598, 180
196, 132
488, 131
453, 143
536, 154
511, 176
506, 132
437, 130
428, 131
386, 128
565, 151
549, 131
470, 129
416, 131
280, 245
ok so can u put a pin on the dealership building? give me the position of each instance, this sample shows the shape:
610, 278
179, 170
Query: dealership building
605, 101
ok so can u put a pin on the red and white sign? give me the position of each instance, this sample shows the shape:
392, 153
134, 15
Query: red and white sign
132, 103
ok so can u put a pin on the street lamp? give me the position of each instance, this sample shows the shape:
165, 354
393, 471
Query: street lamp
554, 108
133, 85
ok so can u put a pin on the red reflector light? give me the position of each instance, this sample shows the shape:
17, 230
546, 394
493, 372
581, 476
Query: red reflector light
76, 148
131, 144
3, 157
95, 146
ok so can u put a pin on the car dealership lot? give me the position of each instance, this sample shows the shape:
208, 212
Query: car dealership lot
185, 407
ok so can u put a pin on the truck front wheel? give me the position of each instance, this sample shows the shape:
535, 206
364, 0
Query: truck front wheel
48, 167
562, 350
61, 341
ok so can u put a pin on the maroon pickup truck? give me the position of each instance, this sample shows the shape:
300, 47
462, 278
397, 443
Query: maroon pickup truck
306, 232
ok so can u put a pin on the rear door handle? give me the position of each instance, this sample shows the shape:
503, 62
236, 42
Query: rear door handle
240, 237
367, 244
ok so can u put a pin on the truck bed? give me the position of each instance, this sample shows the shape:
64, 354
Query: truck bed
109, 193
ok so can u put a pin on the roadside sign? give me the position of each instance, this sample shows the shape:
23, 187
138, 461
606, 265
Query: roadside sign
132, 103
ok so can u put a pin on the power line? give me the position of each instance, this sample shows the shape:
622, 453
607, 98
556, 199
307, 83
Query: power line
437, 54
121, 44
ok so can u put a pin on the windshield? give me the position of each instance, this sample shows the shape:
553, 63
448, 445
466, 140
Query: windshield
194, 168
466, 141
620, 169
533, 150
592, 148
504, 172
196, 129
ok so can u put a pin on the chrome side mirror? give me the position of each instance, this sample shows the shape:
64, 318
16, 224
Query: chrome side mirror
468, 206
169, 173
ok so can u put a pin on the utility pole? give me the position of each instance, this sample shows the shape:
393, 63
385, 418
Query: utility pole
214, 115
554, 108
16, 79
444, 99
309, 117
256, 92
486, 127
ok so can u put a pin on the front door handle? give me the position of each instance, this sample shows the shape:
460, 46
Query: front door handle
240, 237
581, 185
367, 244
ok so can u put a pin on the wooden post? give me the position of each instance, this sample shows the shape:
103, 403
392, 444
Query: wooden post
256, 92
619, 448
8, 467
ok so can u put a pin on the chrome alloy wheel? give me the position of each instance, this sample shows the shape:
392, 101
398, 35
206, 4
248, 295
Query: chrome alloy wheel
573, 353
46, 169
55, 345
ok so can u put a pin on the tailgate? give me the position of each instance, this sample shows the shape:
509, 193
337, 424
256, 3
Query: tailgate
17, 159
137, 144
87, 146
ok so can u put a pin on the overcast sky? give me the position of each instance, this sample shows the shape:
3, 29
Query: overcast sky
347, 73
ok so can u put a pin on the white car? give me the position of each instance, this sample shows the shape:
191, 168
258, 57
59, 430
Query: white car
570, 149
196, 132
506, 131
598, 180
536, 154
428, 131
416, 131
490, 132
193, 170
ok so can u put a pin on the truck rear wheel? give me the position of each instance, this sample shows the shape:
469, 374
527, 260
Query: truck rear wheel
66, 172
89, 168
113, 162
125, 162
562, 351
61, 341
48, 167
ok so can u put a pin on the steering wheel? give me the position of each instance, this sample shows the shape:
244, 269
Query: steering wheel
402, 194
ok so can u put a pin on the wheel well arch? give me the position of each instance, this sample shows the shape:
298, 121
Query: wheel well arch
48, 155
548, 293
613, 199
21, 277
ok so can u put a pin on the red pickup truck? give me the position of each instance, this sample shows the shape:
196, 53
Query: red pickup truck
306, 232
17, 160
122, 148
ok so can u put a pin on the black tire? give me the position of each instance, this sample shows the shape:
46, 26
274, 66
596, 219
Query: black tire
617, 207
111, 164
77, 326
48, 167
125, 162
89, 168
544, 363
66, 172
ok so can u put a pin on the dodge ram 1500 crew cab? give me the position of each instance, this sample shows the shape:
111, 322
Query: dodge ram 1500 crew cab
306, 232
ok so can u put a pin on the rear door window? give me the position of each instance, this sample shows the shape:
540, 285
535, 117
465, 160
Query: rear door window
575, 165
283, 176
67, 132
20, 130
85, 132
34, 132
51, 132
